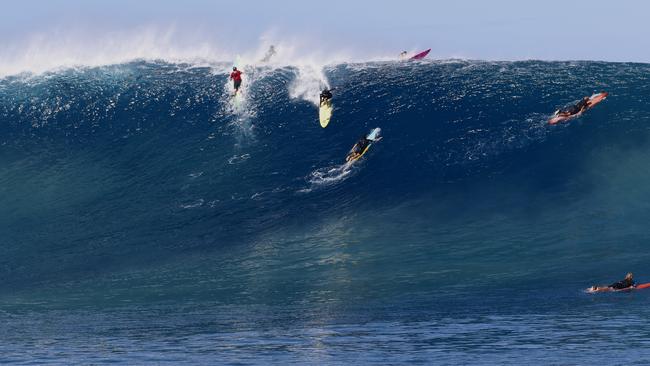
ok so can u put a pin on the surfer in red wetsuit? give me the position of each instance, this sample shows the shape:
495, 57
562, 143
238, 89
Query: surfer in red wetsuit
235, 76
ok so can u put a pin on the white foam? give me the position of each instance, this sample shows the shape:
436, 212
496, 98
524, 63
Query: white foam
60, 49
328, 176
57, 50
308, 83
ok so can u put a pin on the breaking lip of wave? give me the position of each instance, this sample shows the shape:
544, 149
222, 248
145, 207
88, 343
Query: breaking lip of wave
62, 50
57, 50
73, 48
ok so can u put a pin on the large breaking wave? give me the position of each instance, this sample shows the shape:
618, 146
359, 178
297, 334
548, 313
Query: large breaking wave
142, 181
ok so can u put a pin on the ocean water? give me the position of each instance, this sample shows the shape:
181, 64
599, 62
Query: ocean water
145, 218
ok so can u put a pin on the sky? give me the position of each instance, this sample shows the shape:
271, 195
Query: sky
44, 31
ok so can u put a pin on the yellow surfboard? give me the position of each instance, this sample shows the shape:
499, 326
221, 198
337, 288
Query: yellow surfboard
373, 136
325, 113
353, 158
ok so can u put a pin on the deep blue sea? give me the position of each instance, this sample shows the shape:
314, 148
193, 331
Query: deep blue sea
145, 218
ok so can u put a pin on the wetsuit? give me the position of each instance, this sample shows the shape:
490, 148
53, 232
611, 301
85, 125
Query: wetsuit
623, 284
236, 78
325, 96
576, 108
360, 145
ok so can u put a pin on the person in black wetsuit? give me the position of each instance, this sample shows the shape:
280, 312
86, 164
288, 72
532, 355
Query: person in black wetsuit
358, 148
625, 283
576, 108
325, 96
269, 54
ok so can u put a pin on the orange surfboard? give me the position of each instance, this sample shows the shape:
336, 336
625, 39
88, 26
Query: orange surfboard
642, 286
593, 100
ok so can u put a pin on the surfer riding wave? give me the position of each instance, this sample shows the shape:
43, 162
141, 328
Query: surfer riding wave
235, 76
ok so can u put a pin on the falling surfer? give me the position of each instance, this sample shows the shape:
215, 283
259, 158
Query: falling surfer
270, 53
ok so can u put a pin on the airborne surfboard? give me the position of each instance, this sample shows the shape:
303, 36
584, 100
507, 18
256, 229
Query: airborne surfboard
421, 55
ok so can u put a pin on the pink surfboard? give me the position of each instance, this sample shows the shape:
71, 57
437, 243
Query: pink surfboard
421, 55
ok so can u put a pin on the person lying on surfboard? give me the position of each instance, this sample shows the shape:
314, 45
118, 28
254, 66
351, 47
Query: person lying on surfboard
235, 76
581, 106
626, 283
577, 109
326, 95
360, 147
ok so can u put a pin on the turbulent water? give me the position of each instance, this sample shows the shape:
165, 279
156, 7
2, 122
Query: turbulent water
146, 218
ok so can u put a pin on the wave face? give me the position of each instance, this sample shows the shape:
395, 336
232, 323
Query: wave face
141, 188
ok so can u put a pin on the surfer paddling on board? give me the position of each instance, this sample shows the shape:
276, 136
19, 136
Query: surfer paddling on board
577, 109
361, 146
235, 76
358, 148
326, 95
626, 283
581, 106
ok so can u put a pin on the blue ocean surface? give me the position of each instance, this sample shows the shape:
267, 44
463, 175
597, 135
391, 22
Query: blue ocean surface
146, 218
